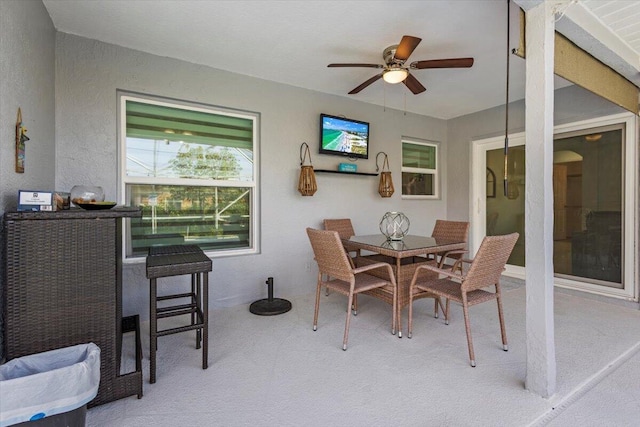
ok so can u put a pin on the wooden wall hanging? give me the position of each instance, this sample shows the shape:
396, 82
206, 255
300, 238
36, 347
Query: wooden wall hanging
385, 187
307, 182
21, 138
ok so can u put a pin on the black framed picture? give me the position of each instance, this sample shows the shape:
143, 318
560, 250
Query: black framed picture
491, 183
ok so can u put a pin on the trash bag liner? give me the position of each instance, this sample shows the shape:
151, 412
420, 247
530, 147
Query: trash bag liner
49, 383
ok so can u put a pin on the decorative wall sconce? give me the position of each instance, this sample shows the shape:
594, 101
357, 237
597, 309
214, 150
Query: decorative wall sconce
385, 188
307, 183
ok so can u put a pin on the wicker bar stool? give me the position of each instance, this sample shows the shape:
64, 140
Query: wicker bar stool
167, 261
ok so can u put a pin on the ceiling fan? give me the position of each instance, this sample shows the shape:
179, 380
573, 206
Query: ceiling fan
395, 71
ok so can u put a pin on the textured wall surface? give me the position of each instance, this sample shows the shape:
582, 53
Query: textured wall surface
70, 111
88, 74
27, 47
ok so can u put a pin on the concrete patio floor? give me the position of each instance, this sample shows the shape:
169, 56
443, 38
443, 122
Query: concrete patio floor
275, 370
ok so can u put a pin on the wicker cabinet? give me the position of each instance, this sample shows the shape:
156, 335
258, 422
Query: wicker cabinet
63, 287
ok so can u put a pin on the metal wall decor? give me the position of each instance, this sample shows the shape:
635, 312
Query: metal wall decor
307, 182
385, 187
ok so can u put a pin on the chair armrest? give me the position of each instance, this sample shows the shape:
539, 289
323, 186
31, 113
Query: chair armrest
457, 251
376, 266
460, 261
447, 273
446, 254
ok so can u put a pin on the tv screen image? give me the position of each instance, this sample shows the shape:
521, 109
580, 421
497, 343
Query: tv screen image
344, 137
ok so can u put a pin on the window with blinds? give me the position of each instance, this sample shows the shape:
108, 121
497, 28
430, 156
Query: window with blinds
192, 169
420, 175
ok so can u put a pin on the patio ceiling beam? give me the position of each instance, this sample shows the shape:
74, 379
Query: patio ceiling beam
586, 31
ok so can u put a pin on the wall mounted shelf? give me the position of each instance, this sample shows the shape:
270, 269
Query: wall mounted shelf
345, 173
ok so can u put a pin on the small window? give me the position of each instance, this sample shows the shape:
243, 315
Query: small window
192, 170
420, 170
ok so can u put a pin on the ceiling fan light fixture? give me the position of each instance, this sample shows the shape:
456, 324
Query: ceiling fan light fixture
395, 75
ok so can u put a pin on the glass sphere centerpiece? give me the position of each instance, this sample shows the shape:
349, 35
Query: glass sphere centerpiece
394, 225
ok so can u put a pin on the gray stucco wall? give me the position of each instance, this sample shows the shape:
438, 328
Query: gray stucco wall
571, 104
70, 111
27, 47
88, 74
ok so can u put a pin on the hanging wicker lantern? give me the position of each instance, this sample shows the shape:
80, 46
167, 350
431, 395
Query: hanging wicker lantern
307, 183
385, 187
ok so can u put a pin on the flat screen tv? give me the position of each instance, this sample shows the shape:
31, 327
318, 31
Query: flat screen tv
344, 137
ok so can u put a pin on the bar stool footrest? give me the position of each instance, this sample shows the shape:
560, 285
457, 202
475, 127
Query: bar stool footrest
179, 329
175, 296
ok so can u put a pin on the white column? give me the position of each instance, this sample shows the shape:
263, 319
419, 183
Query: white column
541, 359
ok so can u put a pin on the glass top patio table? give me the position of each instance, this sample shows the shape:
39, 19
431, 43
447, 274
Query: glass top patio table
408, 254
409, 246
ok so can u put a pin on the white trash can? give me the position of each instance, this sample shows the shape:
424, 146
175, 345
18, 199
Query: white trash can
50, 389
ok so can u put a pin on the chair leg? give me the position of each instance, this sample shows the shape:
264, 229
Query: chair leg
195, 290
354, 306
446, 312
410, 321
399, 320
153, 329
435, 307
315, 312
503, 330
195, 300
467, 326
326, 292
395, 321
438, 302
205, 320
346, 325
441, 306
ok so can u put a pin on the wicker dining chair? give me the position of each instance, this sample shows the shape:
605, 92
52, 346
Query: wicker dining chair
345, 230
457, 230
336, 273
469, 289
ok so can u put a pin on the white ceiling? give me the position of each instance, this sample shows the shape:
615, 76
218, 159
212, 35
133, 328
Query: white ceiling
292, 42
622, 17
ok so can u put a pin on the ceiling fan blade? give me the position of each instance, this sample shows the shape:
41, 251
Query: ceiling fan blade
443, 63
406, 47
356, 65
414, 85
365, 84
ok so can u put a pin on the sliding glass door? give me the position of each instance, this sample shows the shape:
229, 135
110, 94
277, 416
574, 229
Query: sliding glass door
588, 198
593, 209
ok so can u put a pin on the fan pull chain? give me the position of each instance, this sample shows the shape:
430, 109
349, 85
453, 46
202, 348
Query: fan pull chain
506, 109
405, 102
384, 97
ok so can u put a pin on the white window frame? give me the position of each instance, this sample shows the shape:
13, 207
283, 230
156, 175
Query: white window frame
124, 180
435, 172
